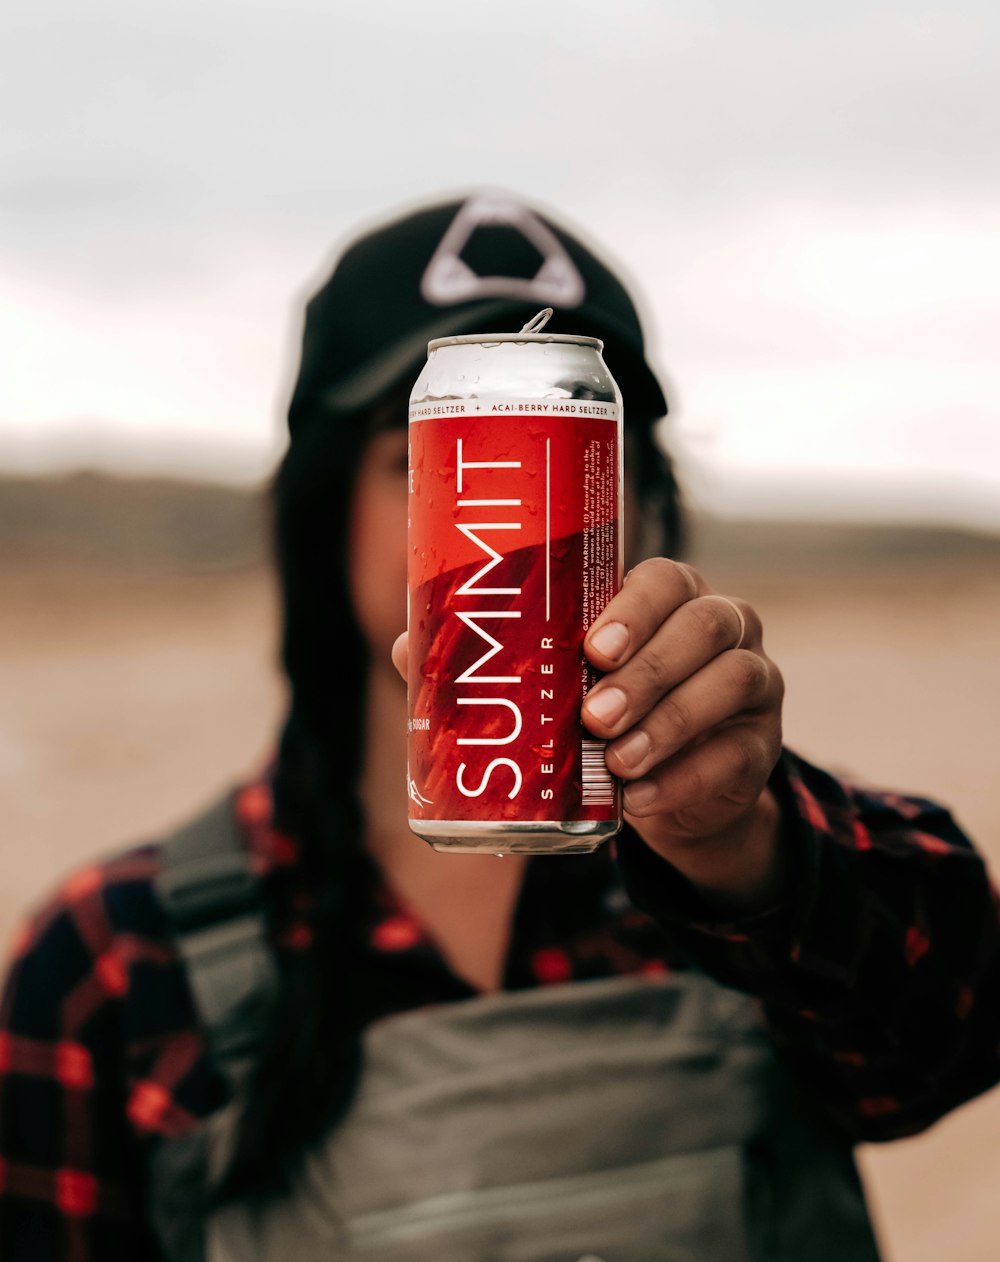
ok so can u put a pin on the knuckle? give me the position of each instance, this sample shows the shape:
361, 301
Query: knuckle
662, 566
752, 629
744, 762
664, 572
750, 674
649, 672
696, 786
712, 619
675, 717
755, 628
690, 578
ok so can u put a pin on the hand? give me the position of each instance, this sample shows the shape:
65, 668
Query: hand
694, 724
702, 721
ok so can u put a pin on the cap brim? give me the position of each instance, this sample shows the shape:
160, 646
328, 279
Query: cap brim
403, 361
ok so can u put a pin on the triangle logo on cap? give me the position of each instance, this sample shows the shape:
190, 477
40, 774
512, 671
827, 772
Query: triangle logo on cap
449, 279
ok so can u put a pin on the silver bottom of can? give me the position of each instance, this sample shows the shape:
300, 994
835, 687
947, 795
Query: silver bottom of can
541, 836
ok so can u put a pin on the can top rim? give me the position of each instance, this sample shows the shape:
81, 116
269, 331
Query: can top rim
473, 339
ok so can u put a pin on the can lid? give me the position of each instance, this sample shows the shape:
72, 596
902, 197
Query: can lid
530, 333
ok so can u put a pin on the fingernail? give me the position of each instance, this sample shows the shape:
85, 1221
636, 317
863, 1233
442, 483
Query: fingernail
611, 640
607, 705
633, 749
639, 795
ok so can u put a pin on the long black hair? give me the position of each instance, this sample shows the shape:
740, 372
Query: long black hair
307, 1074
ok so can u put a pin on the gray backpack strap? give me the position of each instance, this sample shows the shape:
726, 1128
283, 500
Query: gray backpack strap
213, 905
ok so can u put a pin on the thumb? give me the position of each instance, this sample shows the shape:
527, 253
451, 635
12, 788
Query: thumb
400, 653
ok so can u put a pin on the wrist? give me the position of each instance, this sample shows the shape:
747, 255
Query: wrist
740, 870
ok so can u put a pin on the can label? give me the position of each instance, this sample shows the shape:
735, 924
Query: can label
513, 552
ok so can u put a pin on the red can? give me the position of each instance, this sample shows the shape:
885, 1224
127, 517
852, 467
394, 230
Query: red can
515, 547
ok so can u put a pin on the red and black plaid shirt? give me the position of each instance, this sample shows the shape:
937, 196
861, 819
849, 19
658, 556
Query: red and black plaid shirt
880, 978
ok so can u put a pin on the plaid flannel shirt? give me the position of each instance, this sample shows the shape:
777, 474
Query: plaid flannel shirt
879, 977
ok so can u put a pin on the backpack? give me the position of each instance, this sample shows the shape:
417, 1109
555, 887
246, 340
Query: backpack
632, 1119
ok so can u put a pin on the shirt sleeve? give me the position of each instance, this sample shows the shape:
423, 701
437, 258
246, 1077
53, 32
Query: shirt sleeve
880, 971
70, 1165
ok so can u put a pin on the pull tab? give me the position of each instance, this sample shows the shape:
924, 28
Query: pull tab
538, 322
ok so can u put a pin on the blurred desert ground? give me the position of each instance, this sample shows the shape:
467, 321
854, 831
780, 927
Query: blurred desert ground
137, 670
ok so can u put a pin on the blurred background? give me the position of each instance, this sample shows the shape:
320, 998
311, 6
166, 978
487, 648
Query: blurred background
809, 203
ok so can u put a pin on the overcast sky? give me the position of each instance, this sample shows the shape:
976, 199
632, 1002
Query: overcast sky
809, 201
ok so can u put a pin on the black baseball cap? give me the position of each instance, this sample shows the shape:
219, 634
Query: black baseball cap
485, 264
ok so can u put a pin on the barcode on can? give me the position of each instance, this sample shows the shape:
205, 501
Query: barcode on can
596, 780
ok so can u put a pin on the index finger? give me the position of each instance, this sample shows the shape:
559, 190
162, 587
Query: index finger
653, 590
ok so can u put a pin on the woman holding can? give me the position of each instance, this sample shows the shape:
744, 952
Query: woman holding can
293, 1029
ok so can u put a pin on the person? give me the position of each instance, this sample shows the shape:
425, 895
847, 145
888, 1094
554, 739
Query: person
295, 1030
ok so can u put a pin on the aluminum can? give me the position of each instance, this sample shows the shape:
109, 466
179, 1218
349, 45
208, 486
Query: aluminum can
514, 548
